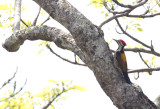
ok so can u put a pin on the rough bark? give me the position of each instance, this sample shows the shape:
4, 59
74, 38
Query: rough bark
91, 47
17, 15
157, 102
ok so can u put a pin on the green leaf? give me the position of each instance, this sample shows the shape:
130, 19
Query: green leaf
51, 107
10, 92
136, 24
43, 42
146, 61
106, 15
153, 58
139, 29
43, 12
139, 18
53, 81
39, 52
81, 88
26, 106
142, 46
4, 7
1, 26
23, 7
155, 11
129, 46
98, 3
109, 0
102, 12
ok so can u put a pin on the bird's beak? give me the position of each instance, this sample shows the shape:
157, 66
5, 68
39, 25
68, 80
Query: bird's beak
115, 40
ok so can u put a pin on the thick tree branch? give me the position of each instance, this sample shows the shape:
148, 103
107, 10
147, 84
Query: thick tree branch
60, 38
17, 15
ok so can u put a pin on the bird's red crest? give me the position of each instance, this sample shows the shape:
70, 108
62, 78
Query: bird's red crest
123, 42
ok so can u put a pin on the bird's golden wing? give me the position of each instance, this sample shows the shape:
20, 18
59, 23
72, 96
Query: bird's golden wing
122, 62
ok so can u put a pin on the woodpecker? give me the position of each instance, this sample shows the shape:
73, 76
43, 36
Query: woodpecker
121, 59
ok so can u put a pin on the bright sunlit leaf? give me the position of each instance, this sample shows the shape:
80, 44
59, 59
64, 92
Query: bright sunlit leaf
4, 7
146, 61
54, 81
39, 52
106, 15
139, 29
153, 58
81, 88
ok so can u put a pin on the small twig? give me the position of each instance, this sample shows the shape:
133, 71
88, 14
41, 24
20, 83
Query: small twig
150, 73
142, 50
139, 1
145, 70
143, 60
46, 20
64, 58
115, 12
75, 60
12, 95
54, 98
19, 89
131, 6
144, 16
130, 35
8, 81
50, 102
136, 50
152, 48
36, 18
110, 19
24, 23
137, 76
126, 12
17, 16
14, 87
127, 15
145, 12
117, 31
122, 5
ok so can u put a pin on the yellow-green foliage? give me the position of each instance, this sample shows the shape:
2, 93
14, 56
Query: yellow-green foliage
26, 100
42, 43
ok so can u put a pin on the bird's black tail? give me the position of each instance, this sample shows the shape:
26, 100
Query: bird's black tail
127, 77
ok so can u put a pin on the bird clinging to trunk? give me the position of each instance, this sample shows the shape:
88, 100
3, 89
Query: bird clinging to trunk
121, 59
